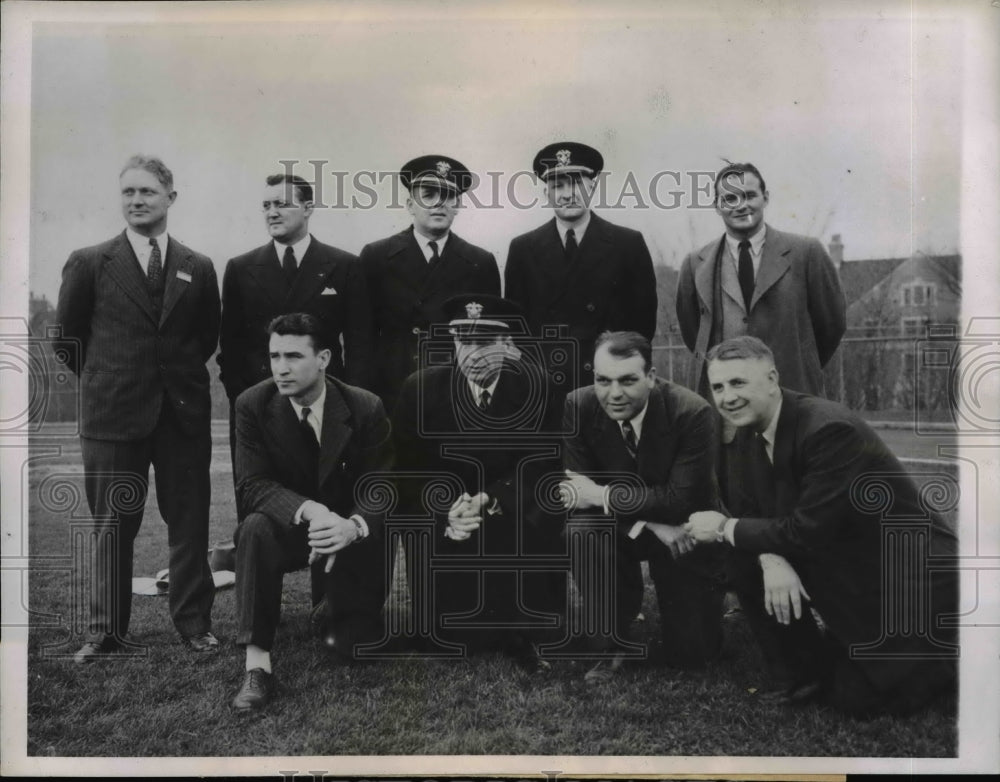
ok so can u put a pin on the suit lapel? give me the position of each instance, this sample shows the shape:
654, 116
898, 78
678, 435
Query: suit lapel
180, 269
313, 271
265, 268
451, 267
784, 467
704, 276
284, 427
609, 441
336, 431
407, 260
773, 265
730, 284
653, 442
550, 255
124, 268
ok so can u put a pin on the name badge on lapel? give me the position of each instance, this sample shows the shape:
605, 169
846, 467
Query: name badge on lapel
184, 276
331, 291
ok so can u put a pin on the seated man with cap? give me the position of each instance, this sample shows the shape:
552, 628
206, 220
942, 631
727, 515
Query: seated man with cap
412, 273
579, 271
483, 425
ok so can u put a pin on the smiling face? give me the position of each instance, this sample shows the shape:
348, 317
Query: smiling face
570, 196
145, 201
740, 203
480, 358
433, 210
286, 217
297, 367
622, 384
745, 390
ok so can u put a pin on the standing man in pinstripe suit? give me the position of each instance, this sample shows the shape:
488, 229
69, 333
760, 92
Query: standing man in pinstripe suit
145, 310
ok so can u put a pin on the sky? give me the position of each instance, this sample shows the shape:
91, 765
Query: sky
854, 118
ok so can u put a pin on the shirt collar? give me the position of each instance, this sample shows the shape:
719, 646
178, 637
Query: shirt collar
299, 248
315, 409
579, 228
477, 391
756, 242
424, 243
140, 243
636, 422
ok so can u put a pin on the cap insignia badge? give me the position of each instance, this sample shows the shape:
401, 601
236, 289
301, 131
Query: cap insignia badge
562, 157
473, 309
443, 168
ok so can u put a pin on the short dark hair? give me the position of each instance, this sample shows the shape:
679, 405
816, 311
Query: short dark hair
623, 344
154, 166
740, 169
740, 348
300, 324
303, 190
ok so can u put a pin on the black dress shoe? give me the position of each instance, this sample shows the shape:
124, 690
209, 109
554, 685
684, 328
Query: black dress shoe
202, 643
525, 656
97, 650
605, 670
257, 690
796, 694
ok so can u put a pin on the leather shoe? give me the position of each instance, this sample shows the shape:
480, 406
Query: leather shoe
257, 690
526, 658
605, 670
795, 694
97, 650
202, 643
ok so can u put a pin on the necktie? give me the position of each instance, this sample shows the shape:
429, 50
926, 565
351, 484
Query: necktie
288, 265
434, 250
484, 400
630, 442
745, 273
308, 432
570, 251
155, 268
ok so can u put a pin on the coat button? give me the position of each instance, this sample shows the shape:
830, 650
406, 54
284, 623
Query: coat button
744, 320
591, 307
416, 329
588, 367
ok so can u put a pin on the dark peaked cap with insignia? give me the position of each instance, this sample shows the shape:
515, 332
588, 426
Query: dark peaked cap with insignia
477, 314
437, 171
567, 158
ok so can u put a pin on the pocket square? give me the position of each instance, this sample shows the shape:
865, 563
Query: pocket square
331, 291
184, 276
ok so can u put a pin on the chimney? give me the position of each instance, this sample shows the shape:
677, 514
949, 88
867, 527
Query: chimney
836, 251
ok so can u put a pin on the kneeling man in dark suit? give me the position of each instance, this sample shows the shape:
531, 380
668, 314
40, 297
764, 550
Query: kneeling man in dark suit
641, 450
303, 443
838, 521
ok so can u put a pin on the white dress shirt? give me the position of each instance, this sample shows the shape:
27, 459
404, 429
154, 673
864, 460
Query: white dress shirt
142, 248
425, 244
756, 249
298, 250
579, 228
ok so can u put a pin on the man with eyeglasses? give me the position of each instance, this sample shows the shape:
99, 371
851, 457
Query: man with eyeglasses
293, 272
412, 273
779, 287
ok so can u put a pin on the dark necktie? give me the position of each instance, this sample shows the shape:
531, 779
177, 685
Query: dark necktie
308, 433
434, 253
763, 476
746, 273
630, 442
484, 400
570, 251
288, 265
155, 268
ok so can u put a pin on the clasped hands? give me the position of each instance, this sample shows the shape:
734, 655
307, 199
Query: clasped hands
329, 532
466, 515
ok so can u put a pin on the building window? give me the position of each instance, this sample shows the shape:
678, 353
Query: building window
914, 327
918, 294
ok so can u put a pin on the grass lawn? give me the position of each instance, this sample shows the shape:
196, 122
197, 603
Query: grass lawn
164, 702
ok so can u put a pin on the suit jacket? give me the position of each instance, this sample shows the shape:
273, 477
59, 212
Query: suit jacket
674, 471
407, 297
838, 492
273, 472
131, 362
504, 451
329, 285
610, 285
797, 308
